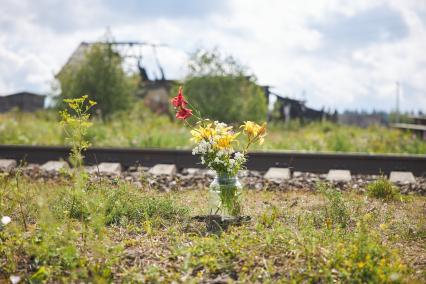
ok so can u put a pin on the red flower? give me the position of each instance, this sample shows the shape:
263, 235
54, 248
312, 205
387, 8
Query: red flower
183, 113
179, 100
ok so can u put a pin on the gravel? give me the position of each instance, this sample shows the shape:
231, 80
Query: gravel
252, 180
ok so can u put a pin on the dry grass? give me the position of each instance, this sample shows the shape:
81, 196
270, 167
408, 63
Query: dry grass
291, 238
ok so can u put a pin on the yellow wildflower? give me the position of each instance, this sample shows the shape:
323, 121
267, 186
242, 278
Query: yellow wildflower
225, 141
249, 128
203, 133
255, 131
383, 226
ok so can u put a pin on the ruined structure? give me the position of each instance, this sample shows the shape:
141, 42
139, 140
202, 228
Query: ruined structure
287, 109
24, 101
156, 91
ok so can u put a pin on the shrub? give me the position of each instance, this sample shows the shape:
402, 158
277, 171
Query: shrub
383, 189
100, 76
220, 89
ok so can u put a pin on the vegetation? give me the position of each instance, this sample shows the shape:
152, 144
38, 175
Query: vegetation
119, 234
75, 125
138, 127
336, 211
383, 189
221, 90
80, 230
100, 75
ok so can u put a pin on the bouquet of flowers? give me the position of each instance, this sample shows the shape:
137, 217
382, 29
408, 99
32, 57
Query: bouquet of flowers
221, 148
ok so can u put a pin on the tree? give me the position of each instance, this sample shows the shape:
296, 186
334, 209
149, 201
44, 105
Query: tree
220, 89
101, 77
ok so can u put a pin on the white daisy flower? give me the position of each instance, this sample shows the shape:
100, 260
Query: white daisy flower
5, 220
14, 279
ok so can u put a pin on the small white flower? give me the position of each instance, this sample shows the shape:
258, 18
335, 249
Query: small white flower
239, 157
14, 279
220, 125
5, 220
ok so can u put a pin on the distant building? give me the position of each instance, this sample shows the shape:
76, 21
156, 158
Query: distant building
287, 109
418, 127
363, 119
24, 101
418, 119
156, 94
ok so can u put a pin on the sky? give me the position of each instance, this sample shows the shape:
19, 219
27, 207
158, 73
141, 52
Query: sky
334, 54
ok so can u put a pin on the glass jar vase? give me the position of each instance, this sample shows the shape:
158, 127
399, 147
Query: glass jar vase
225, 196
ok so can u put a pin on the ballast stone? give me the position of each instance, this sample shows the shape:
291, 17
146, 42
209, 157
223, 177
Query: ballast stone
54, 166
402, 177
6, 165
192, 171
277, 174
339, 175
113, 169
163, 169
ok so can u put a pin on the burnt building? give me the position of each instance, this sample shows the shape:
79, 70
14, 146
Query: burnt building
24, 101
287, 109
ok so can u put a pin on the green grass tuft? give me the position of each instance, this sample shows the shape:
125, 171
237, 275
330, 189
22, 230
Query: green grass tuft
335, 211
383, 189
125, 205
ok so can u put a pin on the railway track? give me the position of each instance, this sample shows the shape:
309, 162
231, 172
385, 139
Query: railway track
299, 161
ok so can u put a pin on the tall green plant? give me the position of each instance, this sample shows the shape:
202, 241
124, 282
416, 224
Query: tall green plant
75, 122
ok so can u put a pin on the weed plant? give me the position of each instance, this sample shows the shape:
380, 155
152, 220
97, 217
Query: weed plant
335, 211
382, 188
141, 128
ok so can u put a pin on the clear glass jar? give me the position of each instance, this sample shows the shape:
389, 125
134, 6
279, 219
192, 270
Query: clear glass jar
225, 196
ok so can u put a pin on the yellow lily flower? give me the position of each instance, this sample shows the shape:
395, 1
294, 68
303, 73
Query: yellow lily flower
254, 131
225, 141
203, 133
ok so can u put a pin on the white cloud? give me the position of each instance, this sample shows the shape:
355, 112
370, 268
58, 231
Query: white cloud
283, 42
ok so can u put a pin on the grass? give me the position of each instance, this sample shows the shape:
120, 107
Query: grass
383, 189
141, 128
115, 233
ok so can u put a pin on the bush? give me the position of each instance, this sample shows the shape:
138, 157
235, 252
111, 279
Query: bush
383, 189
335, 210
100, 76
220, 89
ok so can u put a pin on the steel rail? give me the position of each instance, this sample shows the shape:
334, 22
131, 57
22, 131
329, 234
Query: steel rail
357, 163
